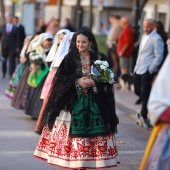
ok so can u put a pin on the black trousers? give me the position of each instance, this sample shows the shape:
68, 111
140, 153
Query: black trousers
142, 86
9, 56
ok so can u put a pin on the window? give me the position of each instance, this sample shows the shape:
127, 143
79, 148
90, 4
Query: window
162, 17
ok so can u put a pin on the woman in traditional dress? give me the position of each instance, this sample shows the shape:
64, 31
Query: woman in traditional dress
39, 42
13, 83
48, 89
157, 154
38, 74
35, 104
50, 57
80, 120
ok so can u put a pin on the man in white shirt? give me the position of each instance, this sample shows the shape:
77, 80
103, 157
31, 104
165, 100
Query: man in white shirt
150, 56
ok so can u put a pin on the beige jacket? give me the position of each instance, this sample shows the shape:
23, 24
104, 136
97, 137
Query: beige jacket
113, 37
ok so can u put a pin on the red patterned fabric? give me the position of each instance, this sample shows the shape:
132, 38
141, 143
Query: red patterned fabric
61, 150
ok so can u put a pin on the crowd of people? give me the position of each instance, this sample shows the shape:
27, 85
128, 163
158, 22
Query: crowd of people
150, 79
54, 83
152, 51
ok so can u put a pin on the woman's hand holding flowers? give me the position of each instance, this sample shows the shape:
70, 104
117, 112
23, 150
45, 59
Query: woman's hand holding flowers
85, 82
90, 82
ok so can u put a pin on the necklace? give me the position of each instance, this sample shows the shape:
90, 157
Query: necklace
84, 57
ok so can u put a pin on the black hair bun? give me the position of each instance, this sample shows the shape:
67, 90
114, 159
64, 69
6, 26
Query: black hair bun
86, 28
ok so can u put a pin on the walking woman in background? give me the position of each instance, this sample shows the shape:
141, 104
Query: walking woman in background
13, 83
157, 152
36, 101
50, 57
39, 43
48, 86
80, 120
38, 73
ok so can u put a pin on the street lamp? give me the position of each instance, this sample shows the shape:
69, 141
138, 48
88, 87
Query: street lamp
90, 14
79, 15
136, 19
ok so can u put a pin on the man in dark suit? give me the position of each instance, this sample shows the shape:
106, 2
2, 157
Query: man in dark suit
21, 33
9, 37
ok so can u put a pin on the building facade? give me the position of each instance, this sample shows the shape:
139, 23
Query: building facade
158, 10
31, 10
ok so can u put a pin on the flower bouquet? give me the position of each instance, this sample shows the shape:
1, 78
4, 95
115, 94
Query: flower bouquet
36, 72
101, 72
36, 58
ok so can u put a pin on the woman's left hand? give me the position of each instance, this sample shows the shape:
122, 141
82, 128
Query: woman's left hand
33, 67
90, 83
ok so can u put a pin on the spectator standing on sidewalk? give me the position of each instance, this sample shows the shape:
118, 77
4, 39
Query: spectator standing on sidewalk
54, 26
149, 59
159, 28
113, 39
157, 151
125, 45
103, 30
21, 33
9, 36
66, 24
41, 28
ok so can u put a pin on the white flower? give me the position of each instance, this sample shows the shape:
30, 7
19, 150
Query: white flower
31, 54
103, 67
32, 57
111, 81
37, 57
105, 63
112, 75
43, 56
98, 62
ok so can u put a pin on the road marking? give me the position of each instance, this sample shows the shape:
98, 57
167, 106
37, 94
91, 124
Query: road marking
131, 152
16, 152
32, 151
17, 134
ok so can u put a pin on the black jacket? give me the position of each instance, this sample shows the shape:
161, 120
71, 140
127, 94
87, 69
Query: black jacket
22, 35
64, 94
9, 42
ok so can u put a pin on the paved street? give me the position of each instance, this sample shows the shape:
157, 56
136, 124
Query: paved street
18, 141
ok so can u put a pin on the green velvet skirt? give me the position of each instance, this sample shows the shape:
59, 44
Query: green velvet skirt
86, 119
